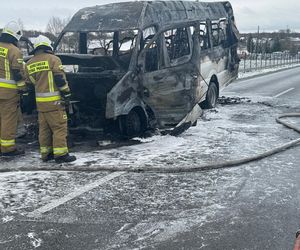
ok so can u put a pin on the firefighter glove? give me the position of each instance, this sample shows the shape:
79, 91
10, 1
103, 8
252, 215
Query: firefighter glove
66, 96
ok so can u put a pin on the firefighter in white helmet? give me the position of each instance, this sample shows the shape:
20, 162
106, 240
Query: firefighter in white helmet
45, 71
11, 85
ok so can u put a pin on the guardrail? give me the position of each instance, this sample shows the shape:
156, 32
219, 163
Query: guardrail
255, 62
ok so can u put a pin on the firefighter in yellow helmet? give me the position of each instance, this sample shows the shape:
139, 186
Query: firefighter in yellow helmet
45, 71
11, 85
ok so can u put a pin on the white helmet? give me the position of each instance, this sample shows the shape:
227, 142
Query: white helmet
42, 41
13, 29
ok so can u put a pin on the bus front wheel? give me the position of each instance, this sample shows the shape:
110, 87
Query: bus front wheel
212, 96
131, 125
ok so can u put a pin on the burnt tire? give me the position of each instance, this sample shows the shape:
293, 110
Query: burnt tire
131, 125
212, 96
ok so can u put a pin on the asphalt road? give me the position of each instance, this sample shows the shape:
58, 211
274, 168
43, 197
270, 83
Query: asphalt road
254, 206
272, 84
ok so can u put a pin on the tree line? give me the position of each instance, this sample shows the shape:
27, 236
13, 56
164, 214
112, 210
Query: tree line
272, 42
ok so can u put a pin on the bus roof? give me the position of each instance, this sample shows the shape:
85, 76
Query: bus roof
142, 14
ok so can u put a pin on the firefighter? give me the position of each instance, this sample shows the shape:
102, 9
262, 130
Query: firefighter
12, 84
45, 71
297, 243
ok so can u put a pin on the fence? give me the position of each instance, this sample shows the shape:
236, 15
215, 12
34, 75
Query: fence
254, 62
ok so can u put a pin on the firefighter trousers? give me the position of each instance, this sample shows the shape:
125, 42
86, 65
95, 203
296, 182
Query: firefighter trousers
8, 124
53, 130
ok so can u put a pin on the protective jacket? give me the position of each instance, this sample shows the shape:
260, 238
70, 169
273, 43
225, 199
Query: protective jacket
46, 72
11, 71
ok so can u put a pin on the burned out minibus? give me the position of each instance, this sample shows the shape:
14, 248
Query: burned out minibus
147, 64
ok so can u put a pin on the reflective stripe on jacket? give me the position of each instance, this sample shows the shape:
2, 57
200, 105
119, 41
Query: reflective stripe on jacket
47, 97
10, 59
40, 71
8, 84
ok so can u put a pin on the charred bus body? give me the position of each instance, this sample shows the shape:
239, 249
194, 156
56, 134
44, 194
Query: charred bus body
149, 64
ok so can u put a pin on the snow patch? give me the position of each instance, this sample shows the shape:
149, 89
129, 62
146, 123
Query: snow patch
7, 219
87, 15
34, 240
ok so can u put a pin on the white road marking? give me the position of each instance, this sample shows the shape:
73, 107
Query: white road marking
124, 227
55, 203
284, 92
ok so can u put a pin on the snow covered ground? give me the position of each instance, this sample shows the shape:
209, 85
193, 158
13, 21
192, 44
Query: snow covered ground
239, 128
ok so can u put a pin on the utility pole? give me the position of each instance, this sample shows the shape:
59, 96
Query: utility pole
256, 50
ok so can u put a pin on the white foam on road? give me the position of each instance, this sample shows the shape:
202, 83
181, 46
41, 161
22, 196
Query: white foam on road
79, 191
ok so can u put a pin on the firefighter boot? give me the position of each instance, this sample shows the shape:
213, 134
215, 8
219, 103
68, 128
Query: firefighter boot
65, 158
16, 152
49, 157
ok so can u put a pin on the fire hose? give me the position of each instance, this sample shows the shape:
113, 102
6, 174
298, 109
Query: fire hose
172, 169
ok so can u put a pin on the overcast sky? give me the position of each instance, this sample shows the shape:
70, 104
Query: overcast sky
270, 15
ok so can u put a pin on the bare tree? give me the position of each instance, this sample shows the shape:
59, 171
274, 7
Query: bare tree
56, 25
